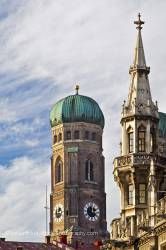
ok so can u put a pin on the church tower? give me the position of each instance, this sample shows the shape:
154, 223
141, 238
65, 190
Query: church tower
78, 199
140, 169
139, 124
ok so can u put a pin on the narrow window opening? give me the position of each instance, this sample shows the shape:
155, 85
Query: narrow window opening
77, 134
58, 172
142, 193
55, 139
130, 194
93, 136
60, 137
141, 139
68, 135
87, 135
89, 172
130, 141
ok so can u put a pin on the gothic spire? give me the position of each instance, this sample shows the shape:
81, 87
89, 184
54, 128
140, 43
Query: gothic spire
139, 62
139, 98
139, 57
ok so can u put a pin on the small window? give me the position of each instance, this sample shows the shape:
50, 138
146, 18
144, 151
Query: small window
141, 139
68, 135
130, 194
142, 193
89, 174
59, 172
77, 134
55, 139
130, 141
60, 137
86, 135
93, 136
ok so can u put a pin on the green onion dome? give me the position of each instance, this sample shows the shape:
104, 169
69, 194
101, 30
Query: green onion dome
76, 108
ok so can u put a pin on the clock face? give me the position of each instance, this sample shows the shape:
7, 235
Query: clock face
58, 212
91, 211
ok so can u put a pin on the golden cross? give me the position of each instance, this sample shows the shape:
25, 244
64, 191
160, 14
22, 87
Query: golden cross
139, 22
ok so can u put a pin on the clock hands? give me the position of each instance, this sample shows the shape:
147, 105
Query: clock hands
58, 212
91, 211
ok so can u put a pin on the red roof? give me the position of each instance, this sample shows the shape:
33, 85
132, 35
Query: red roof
15, 245
12, 245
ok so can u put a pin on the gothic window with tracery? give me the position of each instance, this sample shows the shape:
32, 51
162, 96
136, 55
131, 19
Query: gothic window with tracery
58, 171
130, 194
141, 139
130, 140
89, 171
142, 193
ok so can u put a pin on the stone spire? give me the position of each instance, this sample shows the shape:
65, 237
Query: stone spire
139, 98
139, 57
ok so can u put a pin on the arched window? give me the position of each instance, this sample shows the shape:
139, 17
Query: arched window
55, 139
76, 134
68, 135
130, 140
93, 136
86, 135
141, 139
58, 171
89, 171
60, 137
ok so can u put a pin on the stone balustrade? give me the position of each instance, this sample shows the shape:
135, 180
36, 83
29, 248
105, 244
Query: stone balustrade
134, 159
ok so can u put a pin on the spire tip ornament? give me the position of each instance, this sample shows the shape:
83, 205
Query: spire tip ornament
139, 22
77, 87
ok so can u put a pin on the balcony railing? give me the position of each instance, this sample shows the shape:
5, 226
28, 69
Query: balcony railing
134, 159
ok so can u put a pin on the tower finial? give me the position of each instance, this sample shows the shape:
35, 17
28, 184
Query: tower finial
139, 22
77, 89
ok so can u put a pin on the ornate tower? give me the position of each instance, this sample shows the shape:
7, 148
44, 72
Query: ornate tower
139, 170
78, 199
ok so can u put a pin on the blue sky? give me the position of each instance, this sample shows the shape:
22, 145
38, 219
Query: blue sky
46, 47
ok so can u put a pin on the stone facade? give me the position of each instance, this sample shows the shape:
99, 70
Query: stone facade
140, 170
78, 146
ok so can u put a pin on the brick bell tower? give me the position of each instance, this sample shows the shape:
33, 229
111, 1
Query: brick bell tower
78, 198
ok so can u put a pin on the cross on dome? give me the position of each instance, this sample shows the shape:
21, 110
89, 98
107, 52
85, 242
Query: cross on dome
139, 22
77, 89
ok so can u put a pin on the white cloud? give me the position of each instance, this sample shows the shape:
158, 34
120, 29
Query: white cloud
22, 199
32, 143
7, 114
